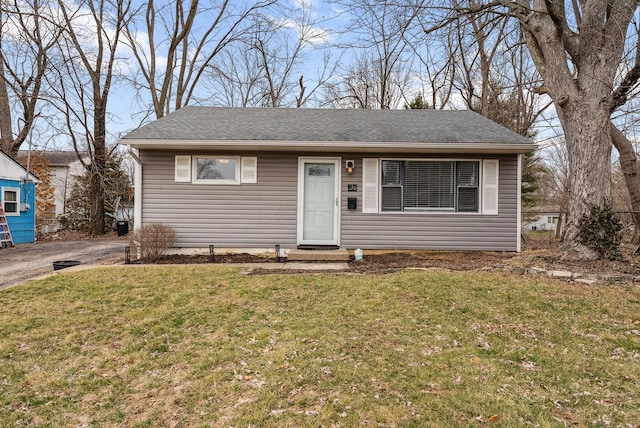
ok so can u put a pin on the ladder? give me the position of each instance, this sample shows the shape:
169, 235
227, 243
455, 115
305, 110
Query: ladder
5, 234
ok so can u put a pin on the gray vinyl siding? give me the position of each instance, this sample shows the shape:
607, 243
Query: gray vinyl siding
233, 216
264, 214
451, 231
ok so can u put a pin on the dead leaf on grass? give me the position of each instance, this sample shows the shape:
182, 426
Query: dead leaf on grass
242, 401
277, 412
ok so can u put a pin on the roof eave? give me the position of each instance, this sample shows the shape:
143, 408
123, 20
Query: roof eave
31, 177
330, 146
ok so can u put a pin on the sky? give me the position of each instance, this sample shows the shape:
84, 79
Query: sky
327, 17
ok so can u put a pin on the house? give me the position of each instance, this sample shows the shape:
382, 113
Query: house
18, 198
368, 179
543, 219
64, 168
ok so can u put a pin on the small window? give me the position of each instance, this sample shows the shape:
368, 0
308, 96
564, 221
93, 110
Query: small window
222, 170
10, 201
319, 171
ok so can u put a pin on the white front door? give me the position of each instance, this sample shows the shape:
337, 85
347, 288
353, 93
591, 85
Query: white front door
318, 201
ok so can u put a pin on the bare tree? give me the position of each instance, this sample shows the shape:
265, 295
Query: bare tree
233, 79
366, 85
482, 39
577, 49
282, 63
92, 31
494, 74
283, 48
381, 73
173, 50
555, 180
437, 56
26, 41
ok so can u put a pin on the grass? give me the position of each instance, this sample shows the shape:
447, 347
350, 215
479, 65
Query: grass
205, 346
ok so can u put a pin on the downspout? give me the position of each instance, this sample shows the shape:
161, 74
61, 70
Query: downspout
137, 188
27, 206
26, 180
519, 215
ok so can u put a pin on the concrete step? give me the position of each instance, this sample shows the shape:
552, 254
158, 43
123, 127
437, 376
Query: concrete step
299, 255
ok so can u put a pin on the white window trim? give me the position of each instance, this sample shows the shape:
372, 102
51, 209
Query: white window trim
17, 201
434, 211
194, 170
185, 169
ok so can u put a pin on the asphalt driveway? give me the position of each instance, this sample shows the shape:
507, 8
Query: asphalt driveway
27, 261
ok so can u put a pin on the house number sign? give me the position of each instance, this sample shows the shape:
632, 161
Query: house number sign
352, 187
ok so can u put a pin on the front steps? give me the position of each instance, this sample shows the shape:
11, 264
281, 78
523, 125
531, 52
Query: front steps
298, 255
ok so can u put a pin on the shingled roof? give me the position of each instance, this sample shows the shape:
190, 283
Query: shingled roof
61, 158
300, 129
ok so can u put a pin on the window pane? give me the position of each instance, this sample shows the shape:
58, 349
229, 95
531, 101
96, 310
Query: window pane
216, 168
468, 178
468, 173
10, 196
391, 198
416, 185
391, 172
10, 199
468, 199
319, 171
429, 185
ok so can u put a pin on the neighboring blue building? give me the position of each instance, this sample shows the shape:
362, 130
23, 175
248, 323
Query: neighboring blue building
18, 199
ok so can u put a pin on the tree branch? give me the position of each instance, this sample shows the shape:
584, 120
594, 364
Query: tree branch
621, 94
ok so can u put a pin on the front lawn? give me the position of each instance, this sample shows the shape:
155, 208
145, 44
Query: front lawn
205, 346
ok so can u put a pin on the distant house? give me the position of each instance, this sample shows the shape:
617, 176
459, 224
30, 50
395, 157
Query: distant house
369, 179
543, 219
17, 195
64, 168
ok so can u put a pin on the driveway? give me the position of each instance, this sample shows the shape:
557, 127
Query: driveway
27, 261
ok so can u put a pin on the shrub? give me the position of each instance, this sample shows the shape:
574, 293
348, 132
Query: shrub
152, 241
600, 231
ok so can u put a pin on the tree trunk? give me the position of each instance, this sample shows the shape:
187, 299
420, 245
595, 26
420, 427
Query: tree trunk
6, 132
629, 167
588, 138
96, 222
98, 168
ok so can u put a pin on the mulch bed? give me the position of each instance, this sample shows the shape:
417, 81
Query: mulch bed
548, 259
543, 254
219, 259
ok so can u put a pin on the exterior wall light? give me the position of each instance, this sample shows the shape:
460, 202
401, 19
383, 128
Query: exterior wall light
349, 165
